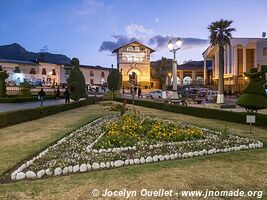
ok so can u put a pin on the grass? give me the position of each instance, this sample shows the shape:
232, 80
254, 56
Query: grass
244, 170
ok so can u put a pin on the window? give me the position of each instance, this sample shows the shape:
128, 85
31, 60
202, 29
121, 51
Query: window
43, 71
102, 74
264, 51
53, 72
91, 81
91, 73
17, 70
32, 71
137, 49
129, 48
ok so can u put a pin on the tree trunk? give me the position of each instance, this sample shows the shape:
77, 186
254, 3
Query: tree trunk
220, 96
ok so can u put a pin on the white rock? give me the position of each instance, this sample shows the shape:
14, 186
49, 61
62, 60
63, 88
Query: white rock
142, 160
161, 158
167, 157
114, 150
134, 148
13, 176
185, 155
205, 152
131, 161
57, 171
49, 172
95, 165
118, 163
20, 176
136, 161
151, 147
89, 167
83, 168
70, 169
65, 170
196, 153
149, 159
112, 164
172, 156
210, 152
40, 173
126, 162
201, 153
76, 168
179, 155
107, 164
190, 154
155, 158
102, 165
30, 175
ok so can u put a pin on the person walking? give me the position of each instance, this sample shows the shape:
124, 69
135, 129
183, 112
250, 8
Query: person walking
41, 96
139, 92
135, 90
67, 96
57, 93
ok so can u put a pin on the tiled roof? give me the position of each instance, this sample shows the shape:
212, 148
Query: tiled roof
18, 62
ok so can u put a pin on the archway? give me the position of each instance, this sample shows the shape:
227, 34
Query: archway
187, 80
200, 80
133, 79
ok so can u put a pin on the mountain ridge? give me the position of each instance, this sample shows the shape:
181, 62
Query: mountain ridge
15, 51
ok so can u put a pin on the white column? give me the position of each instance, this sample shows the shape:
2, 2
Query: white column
233, 60
205, 71
225, 60
228, 59
244, 60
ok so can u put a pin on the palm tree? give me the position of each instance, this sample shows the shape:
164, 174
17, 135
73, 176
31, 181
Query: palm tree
220, 34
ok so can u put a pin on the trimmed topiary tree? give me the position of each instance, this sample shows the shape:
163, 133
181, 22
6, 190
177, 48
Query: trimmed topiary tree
114, 80
25, 88
3, 77
254, 96
76, 81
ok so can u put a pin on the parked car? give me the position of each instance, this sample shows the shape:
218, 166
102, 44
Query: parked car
211, 95
158, 94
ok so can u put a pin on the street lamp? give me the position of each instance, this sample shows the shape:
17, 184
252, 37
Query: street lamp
173, 48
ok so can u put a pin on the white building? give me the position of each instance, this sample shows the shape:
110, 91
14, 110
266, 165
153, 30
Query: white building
50, 73
241, 55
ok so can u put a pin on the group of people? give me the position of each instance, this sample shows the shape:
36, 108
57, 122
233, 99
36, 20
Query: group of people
41, 95
134, 90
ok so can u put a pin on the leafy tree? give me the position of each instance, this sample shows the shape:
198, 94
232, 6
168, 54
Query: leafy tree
220, 34
114, 80
76, 81
161, 69
254, 96
3, 77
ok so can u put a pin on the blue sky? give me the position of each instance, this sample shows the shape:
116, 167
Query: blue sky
78, 28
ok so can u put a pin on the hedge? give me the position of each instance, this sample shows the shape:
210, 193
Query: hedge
18, 99
238, 117
15, 117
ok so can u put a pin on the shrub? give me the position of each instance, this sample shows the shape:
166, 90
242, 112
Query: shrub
25, 88
231, 116
254, 96
14, 117
18, 99
3, 77
76, 81
114, 80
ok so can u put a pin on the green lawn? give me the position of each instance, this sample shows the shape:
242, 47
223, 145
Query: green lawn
244, 170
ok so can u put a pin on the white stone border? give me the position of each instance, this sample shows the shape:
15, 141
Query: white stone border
19, 175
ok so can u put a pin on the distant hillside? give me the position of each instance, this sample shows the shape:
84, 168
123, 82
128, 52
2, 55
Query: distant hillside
16, 52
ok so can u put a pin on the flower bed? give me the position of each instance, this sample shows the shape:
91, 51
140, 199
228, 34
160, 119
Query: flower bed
114, 141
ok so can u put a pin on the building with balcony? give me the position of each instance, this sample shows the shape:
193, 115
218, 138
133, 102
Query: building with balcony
241, 55
133, 61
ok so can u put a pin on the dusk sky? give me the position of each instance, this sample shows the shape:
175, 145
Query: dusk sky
89, 29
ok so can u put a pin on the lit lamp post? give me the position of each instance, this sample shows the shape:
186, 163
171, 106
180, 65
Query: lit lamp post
173, 48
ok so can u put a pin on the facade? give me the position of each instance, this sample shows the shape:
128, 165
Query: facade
241, 55
49, 74
192, 73
133, 62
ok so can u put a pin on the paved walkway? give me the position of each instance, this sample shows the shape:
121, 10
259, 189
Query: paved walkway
4, 107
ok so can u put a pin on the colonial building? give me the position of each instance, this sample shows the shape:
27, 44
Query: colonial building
133, 61
49, 74
241, 55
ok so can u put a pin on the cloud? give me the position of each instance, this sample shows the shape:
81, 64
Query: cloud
138, 31
119, 41
160, 41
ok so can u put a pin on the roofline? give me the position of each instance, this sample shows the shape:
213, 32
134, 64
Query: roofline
115, 50
18, 61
